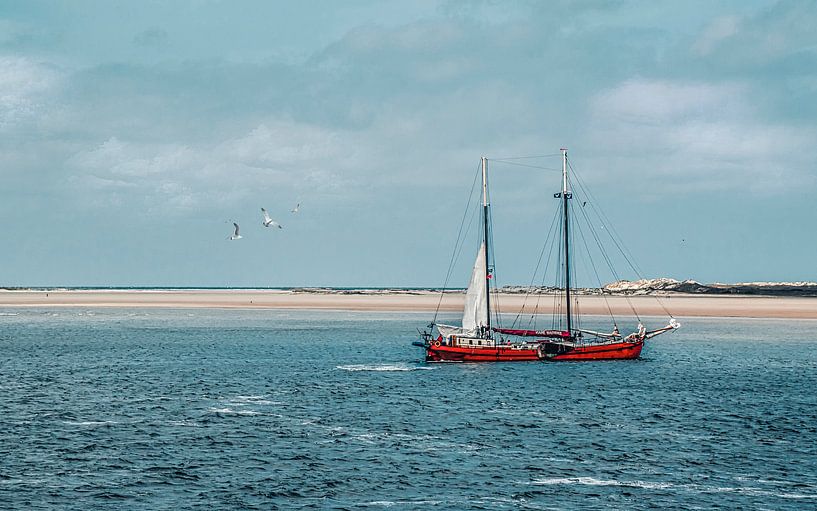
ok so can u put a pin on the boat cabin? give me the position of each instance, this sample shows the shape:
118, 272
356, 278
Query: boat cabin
471, 342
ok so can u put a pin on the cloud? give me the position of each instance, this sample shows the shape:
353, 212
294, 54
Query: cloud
717, 31
749, 44
173, 177
697, 136
660, 101
378, 116
153, 37
116, 172
25, 86
385, 107
285, 145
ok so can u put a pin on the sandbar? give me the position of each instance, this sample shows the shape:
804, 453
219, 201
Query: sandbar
415, 301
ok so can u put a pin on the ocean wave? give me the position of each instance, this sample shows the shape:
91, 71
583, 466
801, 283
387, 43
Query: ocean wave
89, 423
383, 367
391, 503
759, 492
256, 400
187, 424
230, 411
591, 481
695, 488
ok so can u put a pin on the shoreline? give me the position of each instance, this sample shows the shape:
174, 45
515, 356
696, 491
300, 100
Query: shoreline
680, 305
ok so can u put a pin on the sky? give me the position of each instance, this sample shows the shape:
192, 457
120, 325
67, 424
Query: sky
132, 134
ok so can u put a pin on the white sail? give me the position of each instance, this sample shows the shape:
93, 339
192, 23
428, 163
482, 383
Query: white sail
475, 313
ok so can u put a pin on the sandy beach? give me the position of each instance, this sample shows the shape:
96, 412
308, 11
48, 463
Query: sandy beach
421, 301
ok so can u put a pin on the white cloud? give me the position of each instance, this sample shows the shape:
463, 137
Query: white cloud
172, 176
718, 30
388, 153
24, 86
657, 101
282, 145
134, 161
696, 136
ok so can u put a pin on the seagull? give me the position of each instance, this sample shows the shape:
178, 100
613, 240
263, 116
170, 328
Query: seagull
269, 221
296, 208
235, 236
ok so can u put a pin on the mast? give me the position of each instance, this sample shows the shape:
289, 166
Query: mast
485, 244
565, 196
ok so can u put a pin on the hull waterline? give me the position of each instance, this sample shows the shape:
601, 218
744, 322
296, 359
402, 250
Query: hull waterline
604, 351
485, 354
549, 352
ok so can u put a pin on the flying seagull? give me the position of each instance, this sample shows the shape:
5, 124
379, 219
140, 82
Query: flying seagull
296, 208
235, 236
269, 221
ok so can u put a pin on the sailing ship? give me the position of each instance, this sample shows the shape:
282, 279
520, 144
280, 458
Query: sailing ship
477, 339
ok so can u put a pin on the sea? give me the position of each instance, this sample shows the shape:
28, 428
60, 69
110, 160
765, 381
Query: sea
260, 409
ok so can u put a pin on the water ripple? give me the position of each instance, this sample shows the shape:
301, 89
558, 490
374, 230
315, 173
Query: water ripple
284, 410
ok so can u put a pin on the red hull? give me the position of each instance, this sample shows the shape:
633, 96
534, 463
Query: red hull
484, 354
607, 351
610, 351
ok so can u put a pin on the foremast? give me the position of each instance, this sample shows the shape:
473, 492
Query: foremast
485, 236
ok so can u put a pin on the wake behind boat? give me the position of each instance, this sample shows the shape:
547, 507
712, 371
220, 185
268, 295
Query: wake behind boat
479, 339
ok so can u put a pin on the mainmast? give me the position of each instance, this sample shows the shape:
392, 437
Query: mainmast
485, 243
565, 196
